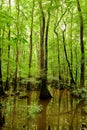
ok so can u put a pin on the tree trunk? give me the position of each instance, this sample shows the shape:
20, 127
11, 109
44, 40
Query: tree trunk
76, 77
17, 50
7, 87
72, 81
82, 77
44, 93
46, 45
71, 51
59, 75
56, 33
1, 82
30, 55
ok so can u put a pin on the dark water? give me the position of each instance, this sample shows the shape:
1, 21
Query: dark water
62, 112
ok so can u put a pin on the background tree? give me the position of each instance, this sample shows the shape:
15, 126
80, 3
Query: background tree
32, 43
31, 40
44, 93
82, 77
17, 47
1, 42
9, 40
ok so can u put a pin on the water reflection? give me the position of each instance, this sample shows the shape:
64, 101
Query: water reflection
62, 112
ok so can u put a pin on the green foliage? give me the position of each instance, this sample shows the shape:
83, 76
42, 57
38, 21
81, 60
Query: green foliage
20, 34
5, 19
34, 109
80, 93
30, 110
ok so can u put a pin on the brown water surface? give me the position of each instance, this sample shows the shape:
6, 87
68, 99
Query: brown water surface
62, 112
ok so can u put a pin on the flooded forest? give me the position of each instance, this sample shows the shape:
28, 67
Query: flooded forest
43, 73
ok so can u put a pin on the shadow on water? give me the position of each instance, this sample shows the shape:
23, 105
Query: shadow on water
62, 112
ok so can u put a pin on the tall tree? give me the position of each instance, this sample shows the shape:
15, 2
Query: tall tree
56, 27
1, 82
30, 46
17, 48
71, 49
72, 81
8, 64
82, 77
44, 93
1, 41
46, 39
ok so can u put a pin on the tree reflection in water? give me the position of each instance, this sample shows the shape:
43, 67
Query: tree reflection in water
62, 112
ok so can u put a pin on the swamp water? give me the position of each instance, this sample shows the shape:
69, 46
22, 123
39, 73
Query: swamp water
62, 112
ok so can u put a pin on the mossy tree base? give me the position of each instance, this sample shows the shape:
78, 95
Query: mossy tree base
44, 92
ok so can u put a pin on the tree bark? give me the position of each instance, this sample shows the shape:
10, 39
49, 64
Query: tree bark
46, 44
1, 82
31, 40
56, 33
44, 92
59, 75
82, 76
71, 51
17, 49
7, 87
42, 30
70, 70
